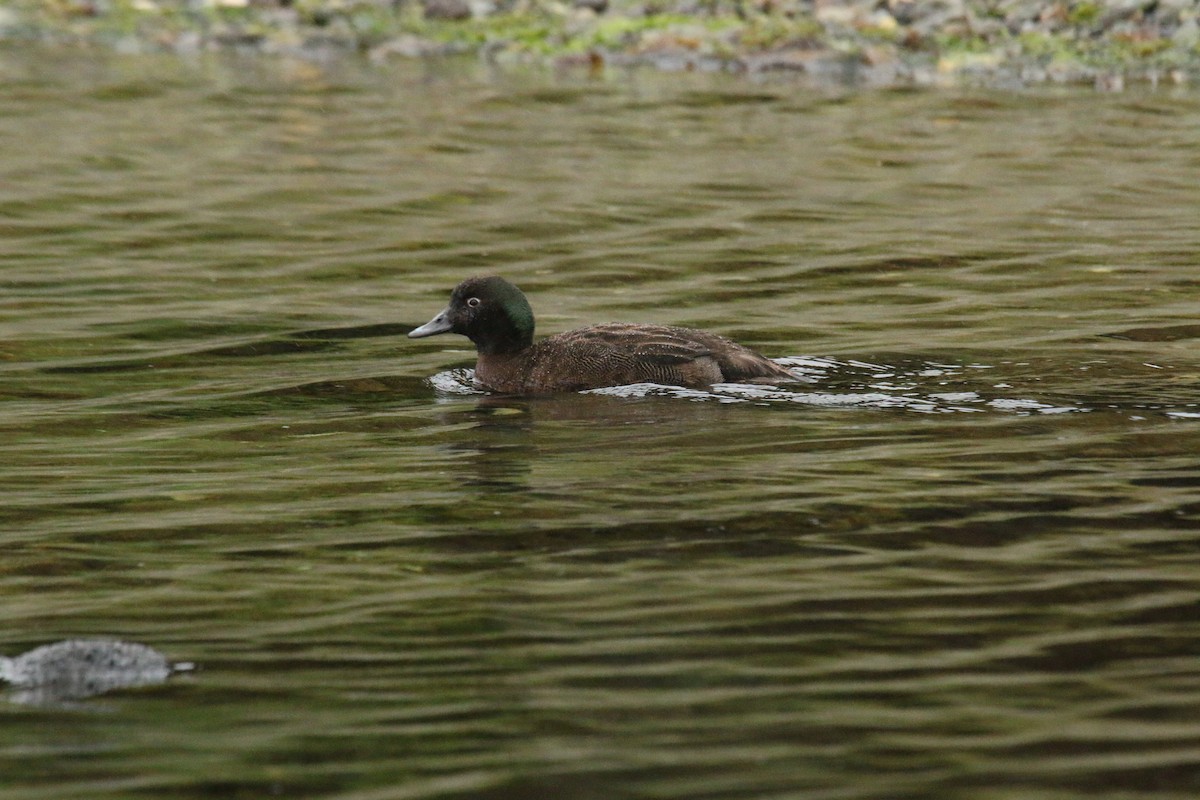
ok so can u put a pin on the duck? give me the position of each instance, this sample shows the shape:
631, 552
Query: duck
496, 316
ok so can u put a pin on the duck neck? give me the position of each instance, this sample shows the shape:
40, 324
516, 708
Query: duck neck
507, 341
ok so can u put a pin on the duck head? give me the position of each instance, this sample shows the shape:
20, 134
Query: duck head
489, 311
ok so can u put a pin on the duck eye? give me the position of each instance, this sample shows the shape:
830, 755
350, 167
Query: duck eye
473, 302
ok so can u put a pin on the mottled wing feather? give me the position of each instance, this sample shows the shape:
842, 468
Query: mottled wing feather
653, 343
616, 354
671, 345
742, 364
630, 353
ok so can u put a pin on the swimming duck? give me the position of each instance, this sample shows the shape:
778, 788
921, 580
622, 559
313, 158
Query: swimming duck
495, 315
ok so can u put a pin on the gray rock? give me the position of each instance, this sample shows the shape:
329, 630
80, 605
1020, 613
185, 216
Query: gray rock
78, 668
447, 9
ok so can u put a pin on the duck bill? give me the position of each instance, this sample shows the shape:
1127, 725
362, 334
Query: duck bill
439, 324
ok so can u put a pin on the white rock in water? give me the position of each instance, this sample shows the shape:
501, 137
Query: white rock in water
78, 668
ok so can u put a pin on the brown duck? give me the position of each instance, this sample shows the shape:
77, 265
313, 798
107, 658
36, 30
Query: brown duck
495, 315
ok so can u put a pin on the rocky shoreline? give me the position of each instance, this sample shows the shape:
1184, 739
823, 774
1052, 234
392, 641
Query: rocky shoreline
872, 42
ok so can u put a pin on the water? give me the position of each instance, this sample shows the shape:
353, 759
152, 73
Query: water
957, 561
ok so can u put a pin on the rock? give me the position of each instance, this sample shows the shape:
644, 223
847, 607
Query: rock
79, 668
446, 9
407, 46
904, 11
9, 20
1187, 34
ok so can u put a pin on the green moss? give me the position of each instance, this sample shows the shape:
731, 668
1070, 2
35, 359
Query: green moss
1143, 49
618, 32
766, 32
1115, 53
1083, 13
1040, 45
549, 35
526, 32
956, 43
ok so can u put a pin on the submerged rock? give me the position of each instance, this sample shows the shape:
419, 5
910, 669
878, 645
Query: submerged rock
75, 669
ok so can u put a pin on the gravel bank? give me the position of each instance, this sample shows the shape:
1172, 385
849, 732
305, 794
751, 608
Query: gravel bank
873, 42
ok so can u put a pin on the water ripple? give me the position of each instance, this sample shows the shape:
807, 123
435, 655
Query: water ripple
907, 388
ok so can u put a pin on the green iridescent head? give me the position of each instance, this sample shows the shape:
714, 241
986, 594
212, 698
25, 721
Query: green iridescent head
489, 311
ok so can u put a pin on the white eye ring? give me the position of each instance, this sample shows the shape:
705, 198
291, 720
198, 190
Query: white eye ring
473, 302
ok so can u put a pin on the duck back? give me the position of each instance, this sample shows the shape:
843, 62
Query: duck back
616, 354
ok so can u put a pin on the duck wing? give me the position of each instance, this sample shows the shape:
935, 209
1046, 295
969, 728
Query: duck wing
658, 344
633, 353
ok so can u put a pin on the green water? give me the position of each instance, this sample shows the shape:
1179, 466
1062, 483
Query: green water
958, 562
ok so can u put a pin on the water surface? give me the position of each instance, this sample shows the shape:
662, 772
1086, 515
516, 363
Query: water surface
959, 560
